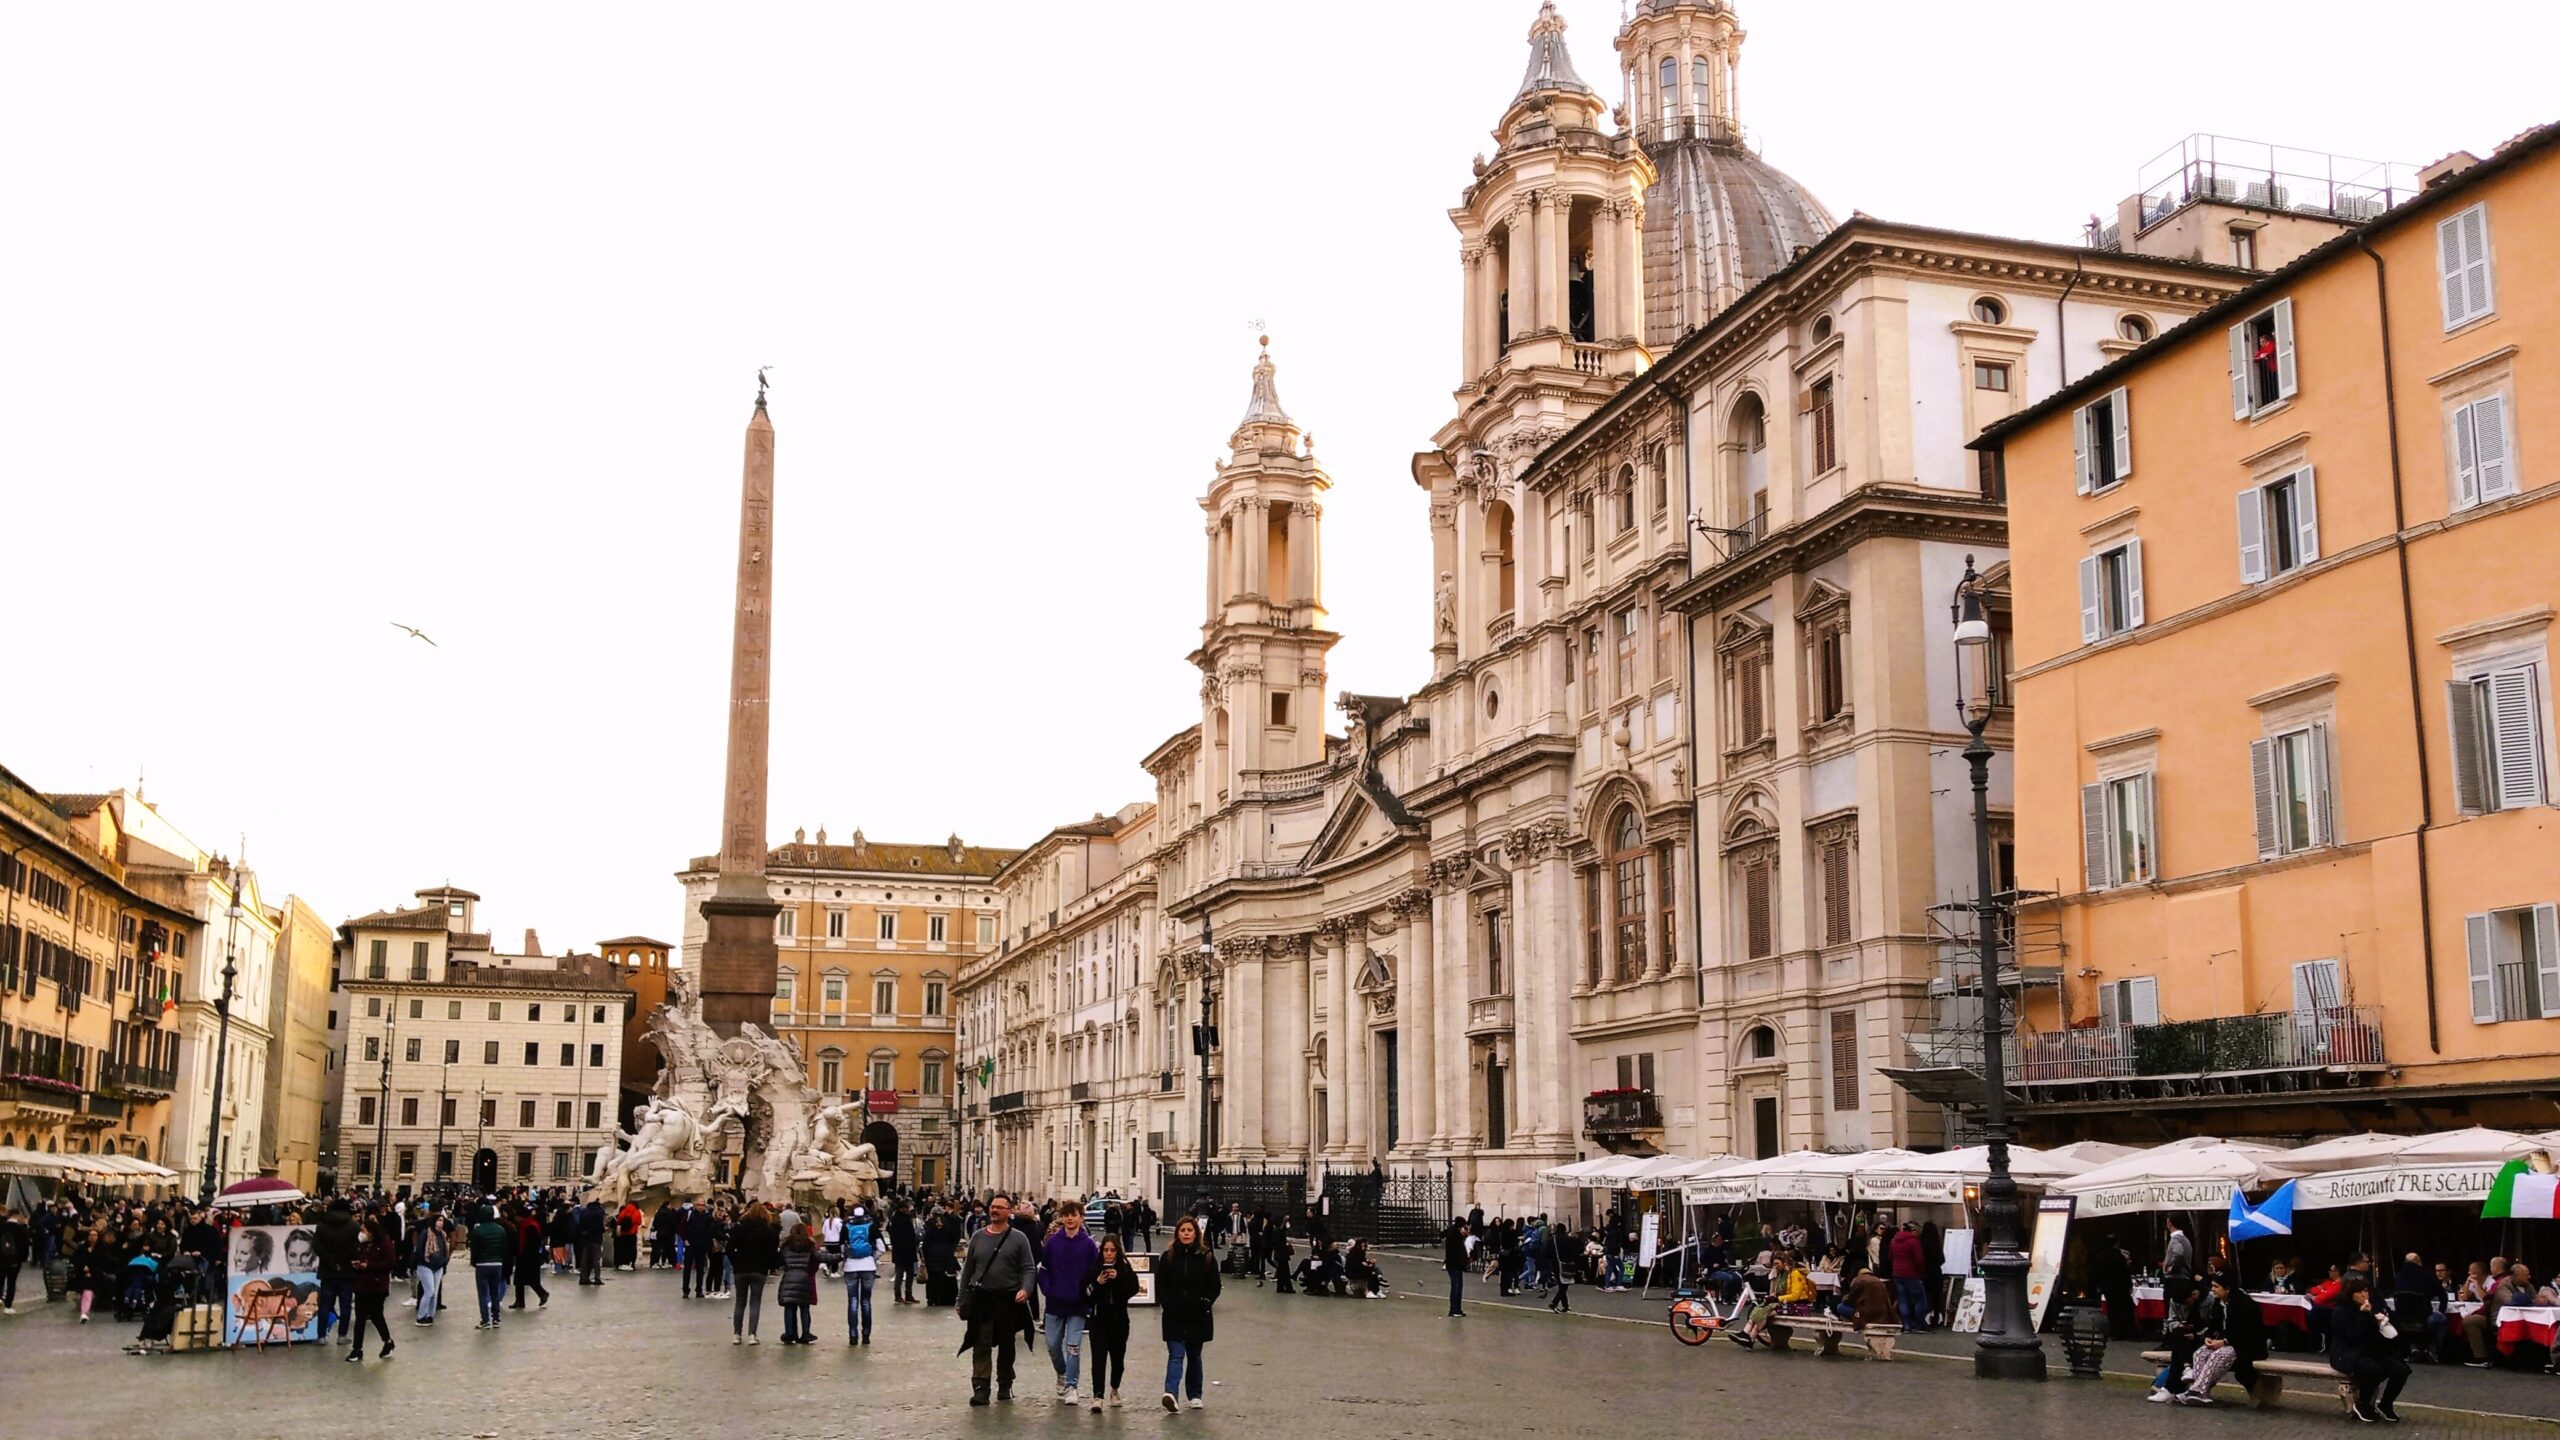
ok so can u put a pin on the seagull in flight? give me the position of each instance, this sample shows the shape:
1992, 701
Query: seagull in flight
415, 632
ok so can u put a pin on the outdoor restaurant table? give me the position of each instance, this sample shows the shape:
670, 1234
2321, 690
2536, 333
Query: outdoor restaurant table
1824, 1279
2283, 1309
2150, 1302
2459, 1308
2536, 1323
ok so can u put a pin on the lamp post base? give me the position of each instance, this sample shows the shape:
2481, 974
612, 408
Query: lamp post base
2009, 1362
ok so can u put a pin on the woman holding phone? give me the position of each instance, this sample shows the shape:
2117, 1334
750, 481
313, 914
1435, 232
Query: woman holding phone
1107, 1297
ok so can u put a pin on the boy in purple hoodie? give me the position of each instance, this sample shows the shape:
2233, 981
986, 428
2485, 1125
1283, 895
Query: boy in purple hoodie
1068, 1258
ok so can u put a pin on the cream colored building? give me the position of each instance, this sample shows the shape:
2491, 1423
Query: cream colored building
1071, 1080
298, 1071
450, 1047
873, 937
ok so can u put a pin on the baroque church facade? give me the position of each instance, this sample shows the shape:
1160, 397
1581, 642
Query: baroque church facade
1649, 863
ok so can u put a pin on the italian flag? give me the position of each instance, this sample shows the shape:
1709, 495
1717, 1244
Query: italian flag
2522, 1193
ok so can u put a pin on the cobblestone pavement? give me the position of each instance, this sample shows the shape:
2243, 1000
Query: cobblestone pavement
633, 1360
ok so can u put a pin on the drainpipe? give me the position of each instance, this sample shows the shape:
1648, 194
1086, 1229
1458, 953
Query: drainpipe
2062, 327
1697, 832
2409, 642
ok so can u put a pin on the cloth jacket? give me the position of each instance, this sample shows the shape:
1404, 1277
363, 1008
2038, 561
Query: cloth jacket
334, 1239
1186, 1290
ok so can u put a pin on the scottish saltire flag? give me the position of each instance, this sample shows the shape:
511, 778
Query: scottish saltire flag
2256, 1222
2522, 1193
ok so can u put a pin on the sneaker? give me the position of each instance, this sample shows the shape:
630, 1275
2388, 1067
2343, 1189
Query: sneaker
737, 1339
755, 1339
388, 1346
354, 1356
2383, 1409
2476, 1364
483, 1325
1114, 1401
1171, 1405
2158, 1396
1097, 1404
2189, 1397
1197, 1404
2364, 1413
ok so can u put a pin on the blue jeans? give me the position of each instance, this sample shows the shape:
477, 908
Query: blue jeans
857, 1303
1066, 1346
795, 1322
1457, 1290
337, 1306
492, 1280
1182, 1368
430, 1290
1911, 1297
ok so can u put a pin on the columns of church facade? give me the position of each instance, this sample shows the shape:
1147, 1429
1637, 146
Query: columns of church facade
1302, 529
1416, 1024
1284, 1047
1629, 257
1210, 534
1522, 256
1555, 260
1607, 274
1355, 1036
1337, 1038
1242, 1036
1453, 982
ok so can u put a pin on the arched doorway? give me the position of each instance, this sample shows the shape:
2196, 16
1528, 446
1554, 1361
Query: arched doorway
882, 1136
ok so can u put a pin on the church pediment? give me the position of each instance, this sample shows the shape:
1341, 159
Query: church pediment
1356, 826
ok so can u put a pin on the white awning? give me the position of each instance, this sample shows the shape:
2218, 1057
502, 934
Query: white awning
1816, 1175
1941, 1179
1605, 1172
2454, 1168
2192, 1174
15, 1161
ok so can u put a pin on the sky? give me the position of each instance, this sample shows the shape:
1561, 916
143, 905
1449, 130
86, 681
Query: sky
318, 318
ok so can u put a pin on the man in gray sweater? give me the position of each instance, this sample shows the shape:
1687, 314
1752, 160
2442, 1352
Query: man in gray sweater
995, 1299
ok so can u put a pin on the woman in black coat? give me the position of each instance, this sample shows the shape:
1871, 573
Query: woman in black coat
1186, 1289
1106, 1327
2359, 1350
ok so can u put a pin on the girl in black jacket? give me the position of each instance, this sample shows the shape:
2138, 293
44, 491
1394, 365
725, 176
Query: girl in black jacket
1186, 1287
2357, 1350
1106, 1326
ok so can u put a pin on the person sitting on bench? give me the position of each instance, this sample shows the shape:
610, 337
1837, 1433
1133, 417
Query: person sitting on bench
2231, 1337
1367, 1281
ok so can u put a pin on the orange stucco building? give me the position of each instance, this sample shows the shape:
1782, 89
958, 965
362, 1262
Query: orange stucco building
2284, 582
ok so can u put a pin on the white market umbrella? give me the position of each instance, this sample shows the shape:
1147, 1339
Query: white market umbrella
2197, 1173
1695, 1169
2349, 1151
1941, 1179
1605, 1172
2091, 1153
1815, 1175
2453, 1168
1660, 1172
16, 1161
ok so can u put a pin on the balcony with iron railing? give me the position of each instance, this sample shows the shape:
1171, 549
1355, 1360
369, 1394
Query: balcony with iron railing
2329, 1037
2220, 169
1620, 1114
142, 1082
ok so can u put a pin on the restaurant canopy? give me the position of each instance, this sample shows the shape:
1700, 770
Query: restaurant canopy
1815, 1175
14, 1161
1941, 1179
2192, 1174
1603, 1172
2456, 1167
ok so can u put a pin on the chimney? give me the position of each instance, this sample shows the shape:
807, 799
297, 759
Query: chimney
532, 942
2446, 168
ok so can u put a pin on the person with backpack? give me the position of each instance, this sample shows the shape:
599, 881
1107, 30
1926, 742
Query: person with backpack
430, 1250
860, 1240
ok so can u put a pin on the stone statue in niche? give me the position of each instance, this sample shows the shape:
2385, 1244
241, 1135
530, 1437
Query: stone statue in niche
1444, 605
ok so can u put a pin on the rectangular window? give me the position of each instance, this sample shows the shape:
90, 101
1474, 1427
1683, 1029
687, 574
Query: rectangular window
569, 1053
595, 1114
488, 1052
2111, 592
2117, 829
986, 929
835, 924
560, 1113
1591, 926
1990, 375
1759, 936
1839, 878
2497, 740
1844, 1059
1590, 668
364, 1109
2003, 658
932, 1077
373, 1047
785, 985
524, 1164
2102, 441
2462, 262
533, 1012
1666, 642
533, 1052
2515, 964
1829, 657
417, 1009
831, 989
2279, 527
883, 1073
1626, 875
376, 959
453, 1009
524, 1114
2262, 367
888, 924
1666, 872
786, 922
595, 1054
2289, 775
2244, 248
1494, 979
488, 1112
418, 960
2134, 1001
1751, 696
937, 927
2481, 450
372, 1003
445, 1106
493, 1010
884, 997
1822, 421
934, 997
409, 1052
408, 1109
453, 1052
1624, 622
559, 1164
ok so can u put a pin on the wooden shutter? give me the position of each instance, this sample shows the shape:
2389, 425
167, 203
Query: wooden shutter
2306, 516
2462, 254
2488, 435
2546, 957
2146, 830
2133, 584
1835, 892
2466, 462
1844, 1060
2120, 410
2098, 856
2142, 1000
2092, 618
2286, 377
2324, 823
2241, 408
2516, 737
2262, 788
2477, 932
2315, 987
2110, 1004
2080, 450
2463, 719
1755, 723
1755, 898
2253, 535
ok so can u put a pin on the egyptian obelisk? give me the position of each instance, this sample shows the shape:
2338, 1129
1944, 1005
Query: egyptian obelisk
738, 962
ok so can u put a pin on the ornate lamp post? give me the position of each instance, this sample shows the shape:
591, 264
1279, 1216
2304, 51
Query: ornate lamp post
222, 1047
2007, 1347
1204, 1036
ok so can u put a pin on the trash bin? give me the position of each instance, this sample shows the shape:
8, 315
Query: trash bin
2084, 1339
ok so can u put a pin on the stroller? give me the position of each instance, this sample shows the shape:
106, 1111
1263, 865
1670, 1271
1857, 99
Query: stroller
179, 1284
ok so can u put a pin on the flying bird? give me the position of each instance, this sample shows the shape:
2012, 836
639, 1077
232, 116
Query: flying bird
415, 632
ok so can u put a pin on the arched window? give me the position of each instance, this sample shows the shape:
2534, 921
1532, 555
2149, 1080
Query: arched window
1747, 492
1661, 481
1627, 858
1701, 70
1670, 93
1502, 548
1761, 1043
1622, 496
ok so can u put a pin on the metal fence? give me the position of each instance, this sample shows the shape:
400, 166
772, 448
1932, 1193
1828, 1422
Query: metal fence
1405, 1209
2324, 1037
1280, 1189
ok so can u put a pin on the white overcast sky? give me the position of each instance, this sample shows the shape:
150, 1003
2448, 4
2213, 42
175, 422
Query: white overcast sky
317, 318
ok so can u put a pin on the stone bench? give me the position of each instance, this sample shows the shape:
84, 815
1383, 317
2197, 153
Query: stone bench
2270, 1378
1828, 1331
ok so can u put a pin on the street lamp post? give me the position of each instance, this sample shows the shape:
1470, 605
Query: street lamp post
444, 1093
382, 1105
2006, 1347
222, 1047
1204, 1037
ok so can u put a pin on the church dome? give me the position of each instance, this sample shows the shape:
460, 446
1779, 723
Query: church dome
1723, 220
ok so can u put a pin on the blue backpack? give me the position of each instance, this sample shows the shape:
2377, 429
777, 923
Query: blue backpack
857, 1239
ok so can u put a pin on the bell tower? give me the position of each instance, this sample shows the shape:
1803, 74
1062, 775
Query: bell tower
1263, 641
